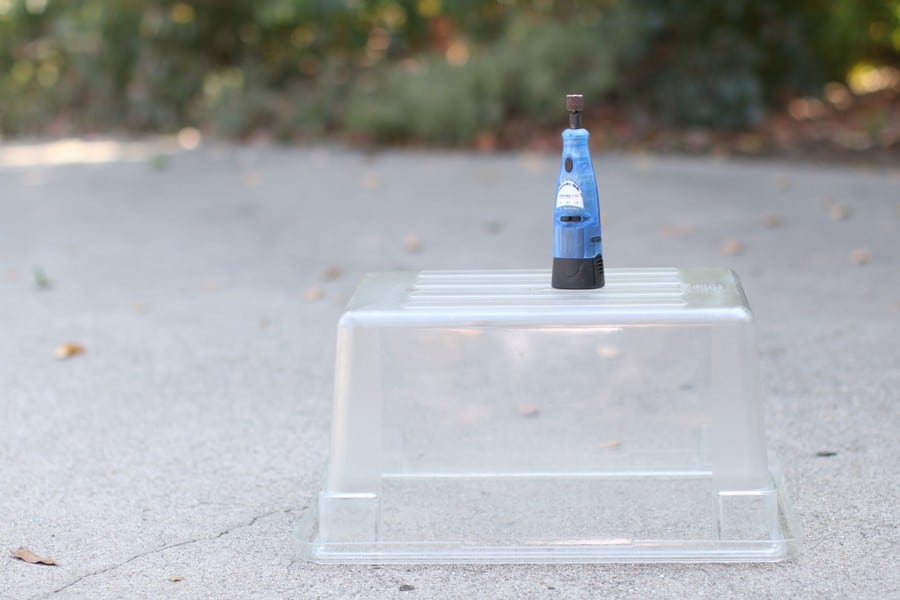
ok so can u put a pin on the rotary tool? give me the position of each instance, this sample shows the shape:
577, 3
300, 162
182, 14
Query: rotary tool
577, 249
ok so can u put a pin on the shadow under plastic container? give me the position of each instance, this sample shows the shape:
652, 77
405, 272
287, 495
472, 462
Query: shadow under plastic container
483, 416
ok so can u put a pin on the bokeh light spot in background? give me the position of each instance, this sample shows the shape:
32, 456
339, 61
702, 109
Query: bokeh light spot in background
392, 15
429, 8
162, 66
457, 53
806, 109
379, 40
74, 151
868, 79
189, 138
838, 95
219, 83
376, 46
182, 13
35, 7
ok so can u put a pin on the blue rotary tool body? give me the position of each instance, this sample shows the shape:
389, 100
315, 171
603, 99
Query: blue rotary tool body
577, 249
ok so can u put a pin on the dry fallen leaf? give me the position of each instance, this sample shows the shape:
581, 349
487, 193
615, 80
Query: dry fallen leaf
772, 220
412, 243
314, 293
30, 557
860, 256
332, 273
731, 247
838, 212
176, 578
68, 350
529, 410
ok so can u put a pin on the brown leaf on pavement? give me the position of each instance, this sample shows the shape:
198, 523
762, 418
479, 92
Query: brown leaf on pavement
68, 350
529, 410
731, 247
30, 557
412, 243
332, 273
838, 212
314, 293
860, 256
772, 220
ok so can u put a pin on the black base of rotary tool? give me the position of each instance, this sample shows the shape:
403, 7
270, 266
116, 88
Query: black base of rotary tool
578, 273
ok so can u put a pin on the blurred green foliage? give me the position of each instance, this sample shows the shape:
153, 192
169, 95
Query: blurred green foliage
393, 70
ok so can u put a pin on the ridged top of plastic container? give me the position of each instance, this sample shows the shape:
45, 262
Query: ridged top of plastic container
521, 293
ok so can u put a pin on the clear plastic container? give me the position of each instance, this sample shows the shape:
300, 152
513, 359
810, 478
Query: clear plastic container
483, 416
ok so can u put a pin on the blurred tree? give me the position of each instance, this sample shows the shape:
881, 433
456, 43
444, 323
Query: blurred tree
441, 71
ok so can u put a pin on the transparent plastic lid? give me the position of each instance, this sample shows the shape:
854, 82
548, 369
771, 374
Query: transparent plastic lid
483, 416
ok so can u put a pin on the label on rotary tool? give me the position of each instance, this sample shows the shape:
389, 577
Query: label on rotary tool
569, 195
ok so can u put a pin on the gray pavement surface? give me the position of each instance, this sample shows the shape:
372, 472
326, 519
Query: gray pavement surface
189, 438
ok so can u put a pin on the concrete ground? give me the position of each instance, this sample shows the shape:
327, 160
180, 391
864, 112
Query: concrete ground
204, 286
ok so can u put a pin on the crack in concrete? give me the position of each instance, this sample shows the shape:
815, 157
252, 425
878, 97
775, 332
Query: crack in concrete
224, 532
